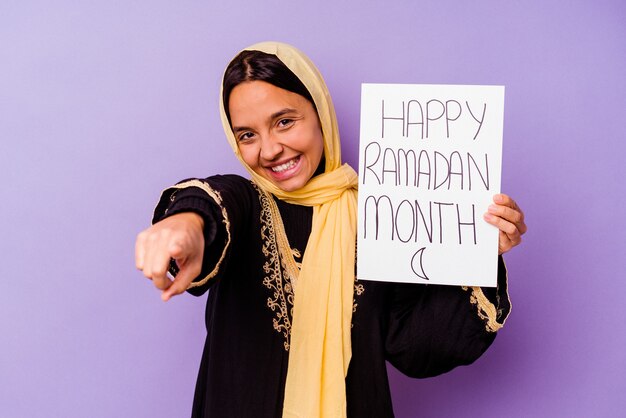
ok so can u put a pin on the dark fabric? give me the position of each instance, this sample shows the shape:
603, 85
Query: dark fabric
423, 330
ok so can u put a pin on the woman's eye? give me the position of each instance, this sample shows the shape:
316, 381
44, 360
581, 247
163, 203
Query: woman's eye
285, 122
245, 136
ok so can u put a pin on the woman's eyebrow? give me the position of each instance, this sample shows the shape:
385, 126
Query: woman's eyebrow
280, 113
240, 128
270, 118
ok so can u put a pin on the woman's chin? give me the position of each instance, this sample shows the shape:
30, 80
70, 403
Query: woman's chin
290, 185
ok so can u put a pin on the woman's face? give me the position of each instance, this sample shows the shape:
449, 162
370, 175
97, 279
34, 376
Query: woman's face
278, 133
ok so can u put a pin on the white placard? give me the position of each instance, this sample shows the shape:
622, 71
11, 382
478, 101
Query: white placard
429, 164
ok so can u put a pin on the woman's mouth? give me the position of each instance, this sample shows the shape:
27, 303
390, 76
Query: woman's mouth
285, 167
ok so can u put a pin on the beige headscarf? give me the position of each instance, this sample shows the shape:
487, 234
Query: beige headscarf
320, 347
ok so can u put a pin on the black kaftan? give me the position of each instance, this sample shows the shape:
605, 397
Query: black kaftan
423, 330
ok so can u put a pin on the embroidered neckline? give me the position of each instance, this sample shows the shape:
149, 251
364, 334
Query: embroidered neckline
281, 268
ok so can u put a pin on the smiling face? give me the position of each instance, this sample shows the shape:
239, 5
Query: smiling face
278, 133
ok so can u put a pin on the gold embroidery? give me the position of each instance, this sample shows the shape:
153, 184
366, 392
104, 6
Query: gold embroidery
280, 267
213, 194
487, 311
358, 287
358, 291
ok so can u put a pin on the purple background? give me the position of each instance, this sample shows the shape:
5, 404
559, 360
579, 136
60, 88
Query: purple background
105, 103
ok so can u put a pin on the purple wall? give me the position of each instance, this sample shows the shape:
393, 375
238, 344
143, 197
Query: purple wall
104, 103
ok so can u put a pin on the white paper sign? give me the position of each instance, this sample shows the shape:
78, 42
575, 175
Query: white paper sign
429, 165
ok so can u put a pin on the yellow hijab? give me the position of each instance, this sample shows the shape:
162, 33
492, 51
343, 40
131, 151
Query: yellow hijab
320, 347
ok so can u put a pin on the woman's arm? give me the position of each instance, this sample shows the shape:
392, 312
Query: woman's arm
435, 328
194, 224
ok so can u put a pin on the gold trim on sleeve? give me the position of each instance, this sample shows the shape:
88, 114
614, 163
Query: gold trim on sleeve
487, 311
213, 194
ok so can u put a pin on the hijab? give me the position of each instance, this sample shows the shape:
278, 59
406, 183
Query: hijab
320, 347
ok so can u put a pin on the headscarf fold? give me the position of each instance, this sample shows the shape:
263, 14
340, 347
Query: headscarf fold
320, 347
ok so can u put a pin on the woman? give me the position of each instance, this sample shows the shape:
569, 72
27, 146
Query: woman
290, 331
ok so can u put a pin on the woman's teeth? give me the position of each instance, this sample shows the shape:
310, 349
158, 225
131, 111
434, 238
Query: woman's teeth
289, 164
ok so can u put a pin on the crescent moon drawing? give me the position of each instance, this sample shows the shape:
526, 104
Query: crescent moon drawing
419, 269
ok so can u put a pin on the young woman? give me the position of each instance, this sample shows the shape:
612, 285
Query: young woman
290, 331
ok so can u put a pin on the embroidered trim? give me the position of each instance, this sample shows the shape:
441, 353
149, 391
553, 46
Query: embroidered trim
358, 291
358, 287
280, 266
487, 311
213, 194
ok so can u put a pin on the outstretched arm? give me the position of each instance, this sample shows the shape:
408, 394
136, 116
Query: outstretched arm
194, 224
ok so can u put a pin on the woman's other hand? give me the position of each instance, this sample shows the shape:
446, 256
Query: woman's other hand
179, 237
505, 215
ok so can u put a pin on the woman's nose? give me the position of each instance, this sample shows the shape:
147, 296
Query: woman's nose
271, 148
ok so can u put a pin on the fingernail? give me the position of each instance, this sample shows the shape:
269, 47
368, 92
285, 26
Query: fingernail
492, 208
498, 198
487, 217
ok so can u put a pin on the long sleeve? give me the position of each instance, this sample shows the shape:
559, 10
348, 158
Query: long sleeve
248, 311
223, 202
434, 328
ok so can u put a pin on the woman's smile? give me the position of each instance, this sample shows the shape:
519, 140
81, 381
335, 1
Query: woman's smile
283, 170
289, 164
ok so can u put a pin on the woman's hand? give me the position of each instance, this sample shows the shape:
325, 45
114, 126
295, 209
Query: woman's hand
179, 237
505, 215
